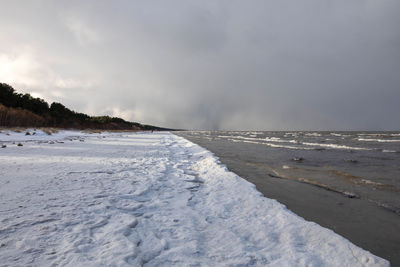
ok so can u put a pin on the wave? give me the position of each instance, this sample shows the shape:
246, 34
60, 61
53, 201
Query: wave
335, 146
290, 134
313, 134
374, 134
234, 140
284, 143
289, 147
379, 140
225, 136
369, 182
268, 139
340, 135
275, 139
390, 151
274, 145
383, 135
249, 142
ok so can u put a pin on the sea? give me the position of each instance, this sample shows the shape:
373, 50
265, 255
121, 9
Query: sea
363, 165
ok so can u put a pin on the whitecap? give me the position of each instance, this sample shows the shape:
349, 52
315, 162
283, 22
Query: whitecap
313, 134
378, 140
335, 146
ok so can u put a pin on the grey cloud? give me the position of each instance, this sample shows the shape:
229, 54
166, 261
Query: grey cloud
211, 64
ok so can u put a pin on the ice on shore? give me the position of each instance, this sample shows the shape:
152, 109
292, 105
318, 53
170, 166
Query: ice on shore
151, 199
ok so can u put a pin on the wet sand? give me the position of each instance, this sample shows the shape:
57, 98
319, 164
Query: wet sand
362, 222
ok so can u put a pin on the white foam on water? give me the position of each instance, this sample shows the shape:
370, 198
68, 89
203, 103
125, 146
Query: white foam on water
340, 135
277, 146
379, 140
269, 139
288, 147
389, 151
313, 134
366, 181
335, 146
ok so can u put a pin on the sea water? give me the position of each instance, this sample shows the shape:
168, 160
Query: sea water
363, 165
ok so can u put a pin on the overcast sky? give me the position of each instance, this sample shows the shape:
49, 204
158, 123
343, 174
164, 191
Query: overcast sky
267, 65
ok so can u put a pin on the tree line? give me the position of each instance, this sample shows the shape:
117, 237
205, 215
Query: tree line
24, 110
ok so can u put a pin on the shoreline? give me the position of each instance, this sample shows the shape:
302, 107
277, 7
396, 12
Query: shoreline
75, 199
364, 223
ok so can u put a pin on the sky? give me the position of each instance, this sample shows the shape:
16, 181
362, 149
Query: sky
209, 64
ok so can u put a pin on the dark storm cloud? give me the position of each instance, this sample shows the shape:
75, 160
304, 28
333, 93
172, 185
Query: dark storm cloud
211, 64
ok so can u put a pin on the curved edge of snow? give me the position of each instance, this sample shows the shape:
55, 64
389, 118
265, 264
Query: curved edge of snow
300, 236
123, 199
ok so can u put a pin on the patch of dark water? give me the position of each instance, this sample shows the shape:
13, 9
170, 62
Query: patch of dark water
357, 164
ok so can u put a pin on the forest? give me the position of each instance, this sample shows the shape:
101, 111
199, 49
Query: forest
24, 110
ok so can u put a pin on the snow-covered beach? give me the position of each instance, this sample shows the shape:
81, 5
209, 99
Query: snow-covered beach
74, 198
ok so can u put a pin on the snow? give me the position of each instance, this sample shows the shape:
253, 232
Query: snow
155, 199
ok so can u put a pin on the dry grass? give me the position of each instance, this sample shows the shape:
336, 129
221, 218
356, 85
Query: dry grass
14, 117
53, 130
92, 131
125, 131
49, 130
14, 129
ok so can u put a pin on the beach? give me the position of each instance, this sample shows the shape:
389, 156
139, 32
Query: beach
364, 222
130, 199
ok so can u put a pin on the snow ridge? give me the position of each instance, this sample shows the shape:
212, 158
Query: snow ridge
151, 199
